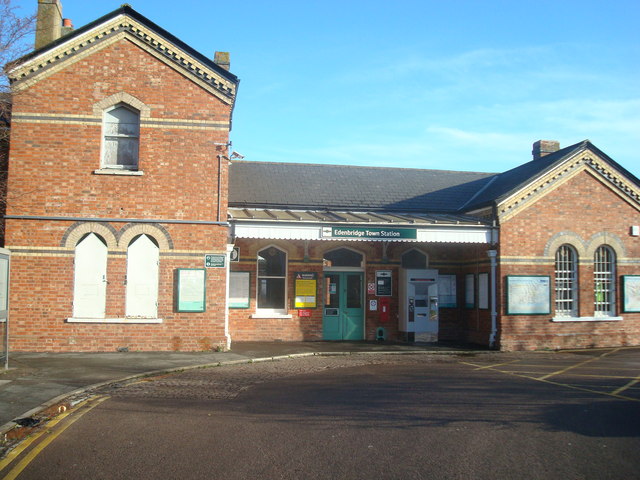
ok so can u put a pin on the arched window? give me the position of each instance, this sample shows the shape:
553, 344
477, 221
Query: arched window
604, 274
566, 282
90, 277
272, 280
414, 259
142, 277
343, 257
121, 129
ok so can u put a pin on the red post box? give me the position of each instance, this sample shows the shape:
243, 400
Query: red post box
384, 308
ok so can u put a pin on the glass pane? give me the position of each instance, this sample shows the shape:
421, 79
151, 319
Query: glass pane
272, 263
121, 121
414, 259
121, 151
343, 258
271, 293
332, 291
354, 291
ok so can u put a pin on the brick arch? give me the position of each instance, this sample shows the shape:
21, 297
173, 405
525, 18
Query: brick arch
121, 97
158, 232
606, 238
568, 238
78, 230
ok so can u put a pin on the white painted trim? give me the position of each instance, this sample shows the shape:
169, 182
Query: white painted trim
314, 232
587, 319
117, 171
114, 320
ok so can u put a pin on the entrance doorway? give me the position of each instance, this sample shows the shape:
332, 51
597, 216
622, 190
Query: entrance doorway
343, 314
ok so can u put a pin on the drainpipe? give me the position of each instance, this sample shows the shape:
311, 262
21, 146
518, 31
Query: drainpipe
226, 296
494, 313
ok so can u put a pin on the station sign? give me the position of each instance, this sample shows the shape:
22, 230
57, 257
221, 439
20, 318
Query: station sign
369, 233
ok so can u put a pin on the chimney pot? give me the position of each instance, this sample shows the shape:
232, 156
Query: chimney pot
542, 148
222, 59
67, 23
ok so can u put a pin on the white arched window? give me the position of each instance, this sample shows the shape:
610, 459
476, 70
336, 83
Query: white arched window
121, 130
90, 278
604, 276
272, 280
142, 278
566, 282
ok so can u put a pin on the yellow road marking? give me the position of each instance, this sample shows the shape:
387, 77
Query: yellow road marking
615, 393
492, 366
42, 445
628, 385
558, 372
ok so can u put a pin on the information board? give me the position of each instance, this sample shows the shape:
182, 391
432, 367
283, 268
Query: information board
306, 287
191, 289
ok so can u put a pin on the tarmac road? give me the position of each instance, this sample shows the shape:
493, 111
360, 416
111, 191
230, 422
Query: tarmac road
363, 416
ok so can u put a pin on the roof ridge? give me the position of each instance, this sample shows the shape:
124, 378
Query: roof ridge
251, 162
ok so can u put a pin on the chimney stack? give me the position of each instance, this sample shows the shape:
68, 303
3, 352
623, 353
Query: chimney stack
544, 147
222, 59
48, 22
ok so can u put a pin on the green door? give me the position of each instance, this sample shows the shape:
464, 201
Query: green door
343, 316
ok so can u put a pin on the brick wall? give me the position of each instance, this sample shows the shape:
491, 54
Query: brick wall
585, 213
458, 324
55, 149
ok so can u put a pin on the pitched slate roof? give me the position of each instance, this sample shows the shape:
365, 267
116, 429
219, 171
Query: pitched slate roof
295, 185
504, 184
310, 186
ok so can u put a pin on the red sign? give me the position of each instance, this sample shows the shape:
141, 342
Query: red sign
304, 313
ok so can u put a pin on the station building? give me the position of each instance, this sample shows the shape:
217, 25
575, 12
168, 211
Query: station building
130, 228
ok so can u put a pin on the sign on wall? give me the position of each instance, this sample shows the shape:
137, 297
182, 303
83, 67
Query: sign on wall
528, 295
306, 286
215, 260
383, 283
239, 289
191, 289
368, 233
447, 294
631, 293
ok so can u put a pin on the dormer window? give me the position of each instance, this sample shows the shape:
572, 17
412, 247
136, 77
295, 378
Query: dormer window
121, 127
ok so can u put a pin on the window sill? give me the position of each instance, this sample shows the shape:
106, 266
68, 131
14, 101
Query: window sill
117, 171
114, 320
586, 319
271, 315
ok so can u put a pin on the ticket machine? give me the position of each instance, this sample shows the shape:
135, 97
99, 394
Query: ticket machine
419, 305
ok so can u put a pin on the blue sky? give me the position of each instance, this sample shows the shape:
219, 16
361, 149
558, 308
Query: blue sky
454, 85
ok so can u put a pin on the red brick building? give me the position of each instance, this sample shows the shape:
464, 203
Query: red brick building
129, 228
117, 178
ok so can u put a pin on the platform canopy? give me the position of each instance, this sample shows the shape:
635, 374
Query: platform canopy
334, 225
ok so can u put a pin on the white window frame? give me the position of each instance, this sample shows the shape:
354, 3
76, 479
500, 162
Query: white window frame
103, 163
566, 282
272, 312
604, 281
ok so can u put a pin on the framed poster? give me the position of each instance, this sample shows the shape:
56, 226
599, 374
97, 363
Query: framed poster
447, 291
528, 294
239, 289
631, 293
470, 290
306, 286
483, 290
191, 289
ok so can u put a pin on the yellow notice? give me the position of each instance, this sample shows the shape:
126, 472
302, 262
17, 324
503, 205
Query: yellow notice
306, 287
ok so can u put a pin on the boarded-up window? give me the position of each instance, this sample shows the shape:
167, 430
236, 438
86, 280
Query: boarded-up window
90, 278
142, 278
121, 137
